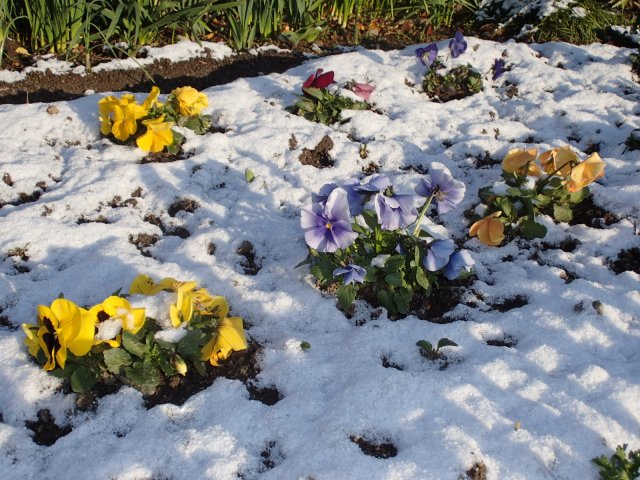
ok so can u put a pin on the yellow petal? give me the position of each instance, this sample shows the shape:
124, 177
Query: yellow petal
69, 319
151, 99
516, 160
145, 285
81, 344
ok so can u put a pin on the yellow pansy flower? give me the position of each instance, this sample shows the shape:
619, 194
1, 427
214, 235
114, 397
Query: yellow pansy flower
489, 230
31, 340
189, 101
586, 172
145, 285
230, 337
151, 100
182, 311
105, 108
118, 308
125, 118
158, 136
63, 326
521, 162
559, 159
206, 304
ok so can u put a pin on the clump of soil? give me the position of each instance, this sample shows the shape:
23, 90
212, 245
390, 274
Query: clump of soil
182, 205
249, 264
174, 231
45, 430
506, 341
384, 449
143, 241
389, 363
627, 261
477, 472
591, 215
165, 157
318, 157
510, 303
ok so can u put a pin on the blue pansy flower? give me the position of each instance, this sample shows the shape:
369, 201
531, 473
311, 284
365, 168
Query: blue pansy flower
352, 273
457, 44
458, 262
438, 254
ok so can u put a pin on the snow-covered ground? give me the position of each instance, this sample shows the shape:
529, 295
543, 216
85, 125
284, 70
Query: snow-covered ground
569, 390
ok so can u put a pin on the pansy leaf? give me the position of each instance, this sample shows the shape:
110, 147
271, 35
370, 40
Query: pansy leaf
531, 229
132, 345
562, 213
370, 218
425, 345
200, 367
395, 279
314, 92
190, 344
248, 175
422, 279
445, 342
82, 379
346, 295
144, 378
115, 359
402, 299
394, 263
577, 197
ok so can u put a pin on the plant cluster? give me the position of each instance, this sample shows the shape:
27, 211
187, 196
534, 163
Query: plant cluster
459, 82
359, 243
318, 104
551, 183
622, 465
114, 340
123, 118
429, 352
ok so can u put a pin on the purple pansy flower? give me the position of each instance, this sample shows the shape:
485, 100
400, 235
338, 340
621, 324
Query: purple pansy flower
323, 194
447, 192
457, 44
458, 262
358, 192
498, 68
352, 273
318, 80
438, 254
363, 90
428, 54
395, 211
328, 227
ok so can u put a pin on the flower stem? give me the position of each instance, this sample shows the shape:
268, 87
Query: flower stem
421, 216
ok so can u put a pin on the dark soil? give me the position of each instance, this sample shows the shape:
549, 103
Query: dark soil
318, 157
249, 264
506, 341
627, 261
509, 303
591, 215
477, 472
45, 430
199, 73
384, 449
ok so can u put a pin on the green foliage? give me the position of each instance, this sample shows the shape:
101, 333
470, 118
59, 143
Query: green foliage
568, 26
427, 350
459, 82
322, 106
622, 465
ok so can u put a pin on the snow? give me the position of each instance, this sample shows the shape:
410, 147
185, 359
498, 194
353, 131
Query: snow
566, 392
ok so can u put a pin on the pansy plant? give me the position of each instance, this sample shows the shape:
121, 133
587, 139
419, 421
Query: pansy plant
461, 81
116, 340
320, 104
151, 123
367, 240
550, 183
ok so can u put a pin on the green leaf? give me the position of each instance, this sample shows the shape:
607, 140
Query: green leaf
445, 342
305, 345
531, 229
82, 379
395, 263
132, 345
370, 218
422, 279
248, 175
425, 345
555, 182
144, 378
346, 295
577, 197
395, 279
190, 344
505, 205
402, 299
115, 359
562, 213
